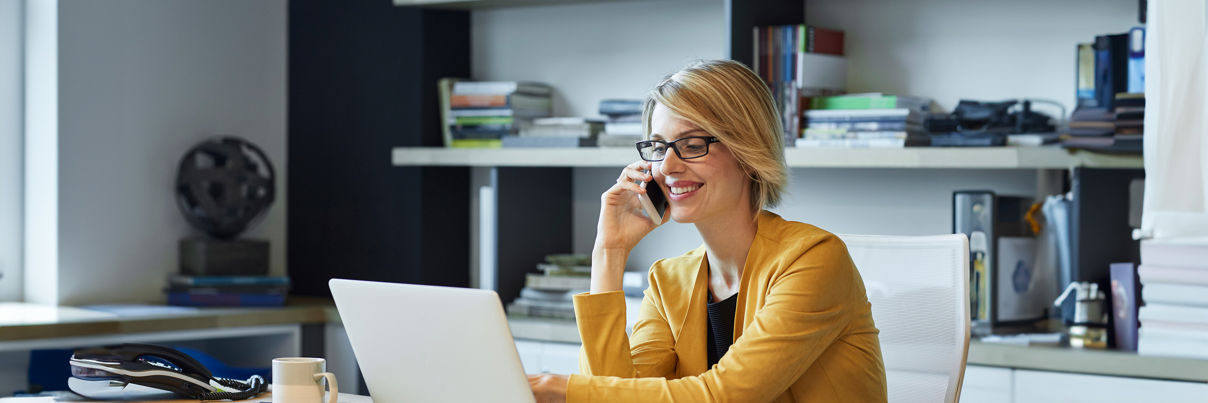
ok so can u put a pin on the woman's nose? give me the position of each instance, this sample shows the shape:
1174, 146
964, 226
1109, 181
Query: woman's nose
671, 163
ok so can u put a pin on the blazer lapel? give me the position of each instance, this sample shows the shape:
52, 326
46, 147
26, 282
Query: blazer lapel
690, 346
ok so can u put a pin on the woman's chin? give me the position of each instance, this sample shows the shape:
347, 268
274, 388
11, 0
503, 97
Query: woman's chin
681, 215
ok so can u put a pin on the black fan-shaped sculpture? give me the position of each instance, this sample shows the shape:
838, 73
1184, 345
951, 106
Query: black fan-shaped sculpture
224, 185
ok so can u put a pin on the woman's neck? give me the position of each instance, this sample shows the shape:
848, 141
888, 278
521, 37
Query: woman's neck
727, 241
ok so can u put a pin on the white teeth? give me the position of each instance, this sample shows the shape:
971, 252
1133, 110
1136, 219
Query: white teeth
683, 189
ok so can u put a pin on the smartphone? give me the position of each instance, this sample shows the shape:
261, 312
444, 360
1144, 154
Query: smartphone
654, 203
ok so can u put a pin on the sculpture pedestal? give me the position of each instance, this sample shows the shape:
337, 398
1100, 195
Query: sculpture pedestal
212, 257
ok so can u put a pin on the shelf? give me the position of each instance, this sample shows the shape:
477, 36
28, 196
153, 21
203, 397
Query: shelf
921, 157
485, 4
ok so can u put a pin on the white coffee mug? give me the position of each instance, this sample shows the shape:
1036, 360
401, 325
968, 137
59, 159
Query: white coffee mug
296, 379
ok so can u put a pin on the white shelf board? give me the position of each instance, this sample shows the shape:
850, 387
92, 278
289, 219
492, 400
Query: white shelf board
487, 4
921, 157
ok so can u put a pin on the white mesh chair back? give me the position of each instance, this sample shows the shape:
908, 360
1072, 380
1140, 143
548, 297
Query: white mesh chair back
918, 287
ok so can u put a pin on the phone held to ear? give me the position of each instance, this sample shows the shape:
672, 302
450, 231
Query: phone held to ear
654, 203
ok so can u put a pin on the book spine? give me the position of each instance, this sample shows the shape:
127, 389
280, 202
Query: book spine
483, 120
227, 280
478, 101
477, 143
187, 299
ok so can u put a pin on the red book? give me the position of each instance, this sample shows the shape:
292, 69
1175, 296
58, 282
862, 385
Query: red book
478, 101
823, 40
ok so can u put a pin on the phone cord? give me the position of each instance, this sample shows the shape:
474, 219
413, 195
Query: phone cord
254, 386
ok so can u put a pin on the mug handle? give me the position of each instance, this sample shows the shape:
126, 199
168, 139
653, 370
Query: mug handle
333, 387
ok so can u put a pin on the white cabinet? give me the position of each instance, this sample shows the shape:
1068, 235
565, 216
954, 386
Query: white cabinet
987, 385
1043, 387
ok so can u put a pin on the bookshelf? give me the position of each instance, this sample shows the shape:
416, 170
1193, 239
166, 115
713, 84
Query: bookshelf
921, 157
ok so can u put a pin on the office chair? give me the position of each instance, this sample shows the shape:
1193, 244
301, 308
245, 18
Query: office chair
919, 290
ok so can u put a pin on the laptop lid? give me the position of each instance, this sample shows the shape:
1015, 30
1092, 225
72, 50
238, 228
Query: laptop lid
431, 344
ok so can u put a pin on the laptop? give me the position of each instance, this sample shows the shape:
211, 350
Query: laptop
431, 344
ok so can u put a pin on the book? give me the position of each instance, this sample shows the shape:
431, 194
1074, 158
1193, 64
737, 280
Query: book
1174, 293
1190, 253
444, 88
547, 141
190, 299
1136, 59
866, 115
893, 125
547, 295
623, 128
617, 140
477, 143
1084, 73
870, 101
862, 143
510, 101
1093, 114
816, 71
824, 40
1173, 313
230, 289
501, 87
616, 107
1111, 68
554, 283
482, 120
1032, 139
1155, 340
182, 280
1165, 274
824, 134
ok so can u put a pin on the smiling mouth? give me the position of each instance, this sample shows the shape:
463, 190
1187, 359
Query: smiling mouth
679, 190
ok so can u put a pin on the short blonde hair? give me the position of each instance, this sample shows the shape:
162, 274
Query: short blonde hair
727, 100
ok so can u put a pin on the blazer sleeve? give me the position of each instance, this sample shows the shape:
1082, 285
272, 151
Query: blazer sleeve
608, 351
804, 313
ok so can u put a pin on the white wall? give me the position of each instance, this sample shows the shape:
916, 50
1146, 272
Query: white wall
842, 201
973, 49
589, 52
11, 110
139, 82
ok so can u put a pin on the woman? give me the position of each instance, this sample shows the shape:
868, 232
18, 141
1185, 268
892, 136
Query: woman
765, 310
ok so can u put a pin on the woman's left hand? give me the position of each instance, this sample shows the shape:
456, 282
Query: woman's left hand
549, 388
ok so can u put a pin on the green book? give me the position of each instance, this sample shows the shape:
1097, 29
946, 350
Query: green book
869, 102
483, 120
477, 143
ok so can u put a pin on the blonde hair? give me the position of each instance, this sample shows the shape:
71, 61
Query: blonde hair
727, 100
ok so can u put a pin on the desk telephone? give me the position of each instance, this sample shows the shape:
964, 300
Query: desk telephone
97, 370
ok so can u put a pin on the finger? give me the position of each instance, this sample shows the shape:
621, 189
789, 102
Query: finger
626, 185
637, 175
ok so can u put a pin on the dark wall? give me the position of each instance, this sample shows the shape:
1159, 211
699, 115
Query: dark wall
362, 79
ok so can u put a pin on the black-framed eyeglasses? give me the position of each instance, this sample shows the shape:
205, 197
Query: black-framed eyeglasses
685, 148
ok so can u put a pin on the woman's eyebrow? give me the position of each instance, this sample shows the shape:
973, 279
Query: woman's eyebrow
657, 136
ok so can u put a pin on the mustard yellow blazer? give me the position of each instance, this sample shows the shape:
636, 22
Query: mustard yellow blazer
803, 330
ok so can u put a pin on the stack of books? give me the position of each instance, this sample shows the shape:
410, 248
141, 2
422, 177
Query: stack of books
623, 126
548, 294
481, 113
557, 132
798, 62
1112, 130
1174, 288
185, 290
865, 121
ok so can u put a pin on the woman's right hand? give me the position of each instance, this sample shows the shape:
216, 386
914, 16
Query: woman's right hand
622, 223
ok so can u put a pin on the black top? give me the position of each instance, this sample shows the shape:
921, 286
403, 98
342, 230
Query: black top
721, 326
